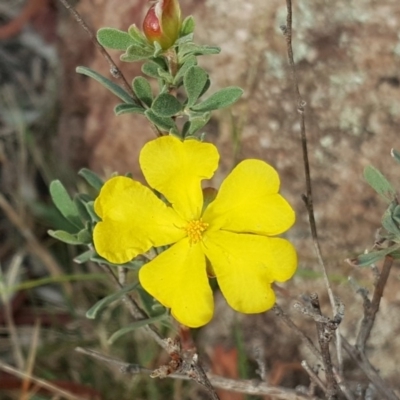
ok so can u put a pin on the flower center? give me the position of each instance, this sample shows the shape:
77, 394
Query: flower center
194, 230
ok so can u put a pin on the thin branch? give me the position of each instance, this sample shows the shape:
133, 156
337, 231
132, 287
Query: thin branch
136, 312
114, 70
313, 376
239, 386
40, 382
325, 331
372, 307
291, 325
308, 342
364, 364
308, 197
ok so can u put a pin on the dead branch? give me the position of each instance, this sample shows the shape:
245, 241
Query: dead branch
114, 70
325, 331
240, 386
369, 370
372, 307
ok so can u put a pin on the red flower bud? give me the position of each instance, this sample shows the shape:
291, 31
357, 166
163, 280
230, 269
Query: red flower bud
162, 23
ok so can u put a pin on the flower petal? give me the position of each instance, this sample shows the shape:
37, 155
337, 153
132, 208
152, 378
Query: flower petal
177, 278
248, 201
176, 168
245, 265
134, 219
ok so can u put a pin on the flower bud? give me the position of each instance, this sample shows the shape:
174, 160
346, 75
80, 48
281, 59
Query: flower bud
162, 23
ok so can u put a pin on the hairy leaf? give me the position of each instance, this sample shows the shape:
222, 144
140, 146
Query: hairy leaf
222, 98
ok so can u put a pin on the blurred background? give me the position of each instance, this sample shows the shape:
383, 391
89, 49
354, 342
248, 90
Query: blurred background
54, 122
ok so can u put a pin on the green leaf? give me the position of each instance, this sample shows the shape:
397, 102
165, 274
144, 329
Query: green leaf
395, 154
163, 123
65, 237
111, 86
194, 81
150, 68
188, 26
379, 183
121, 109
137, 35
166, 105
64, 203
136, 52
136, 325
114, 38
197, 123
194, 49
91, 178
142, 89
94, 311
389, 223
222, 98
184, 39
80, 204
190, 62
84, 236
371, 258
90, 208
158, 50
84, 257
166, 76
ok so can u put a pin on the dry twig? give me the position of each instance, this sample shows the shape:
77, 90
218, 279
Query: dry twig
308, 197
372, 307
234, 385
40, 382
114, 70
325, 330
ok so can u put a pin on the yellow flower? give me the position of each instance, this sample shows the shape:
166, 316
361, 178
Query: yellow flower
232, 239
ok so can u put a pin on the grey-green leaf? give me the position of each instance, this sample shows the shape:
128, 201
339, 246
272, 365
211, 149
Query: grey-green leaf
84, 236
188, 26
137, 52
190, 62
65, 205
194, 81
136, 325
389, 223
197, 123
150, 68
163, 123
121, 109
191, 48
94, 311
111, 86
142, 89
114, 38
80, 204
137, 35
65, 237
379, 183
91, 178
222, 98
84, 257
371, 258
166, 105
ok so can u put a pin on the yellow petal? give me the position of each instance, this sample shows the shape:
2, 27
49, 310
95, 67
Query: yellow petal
177, 278
245, 265
176, 168
248, 201
134, 219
